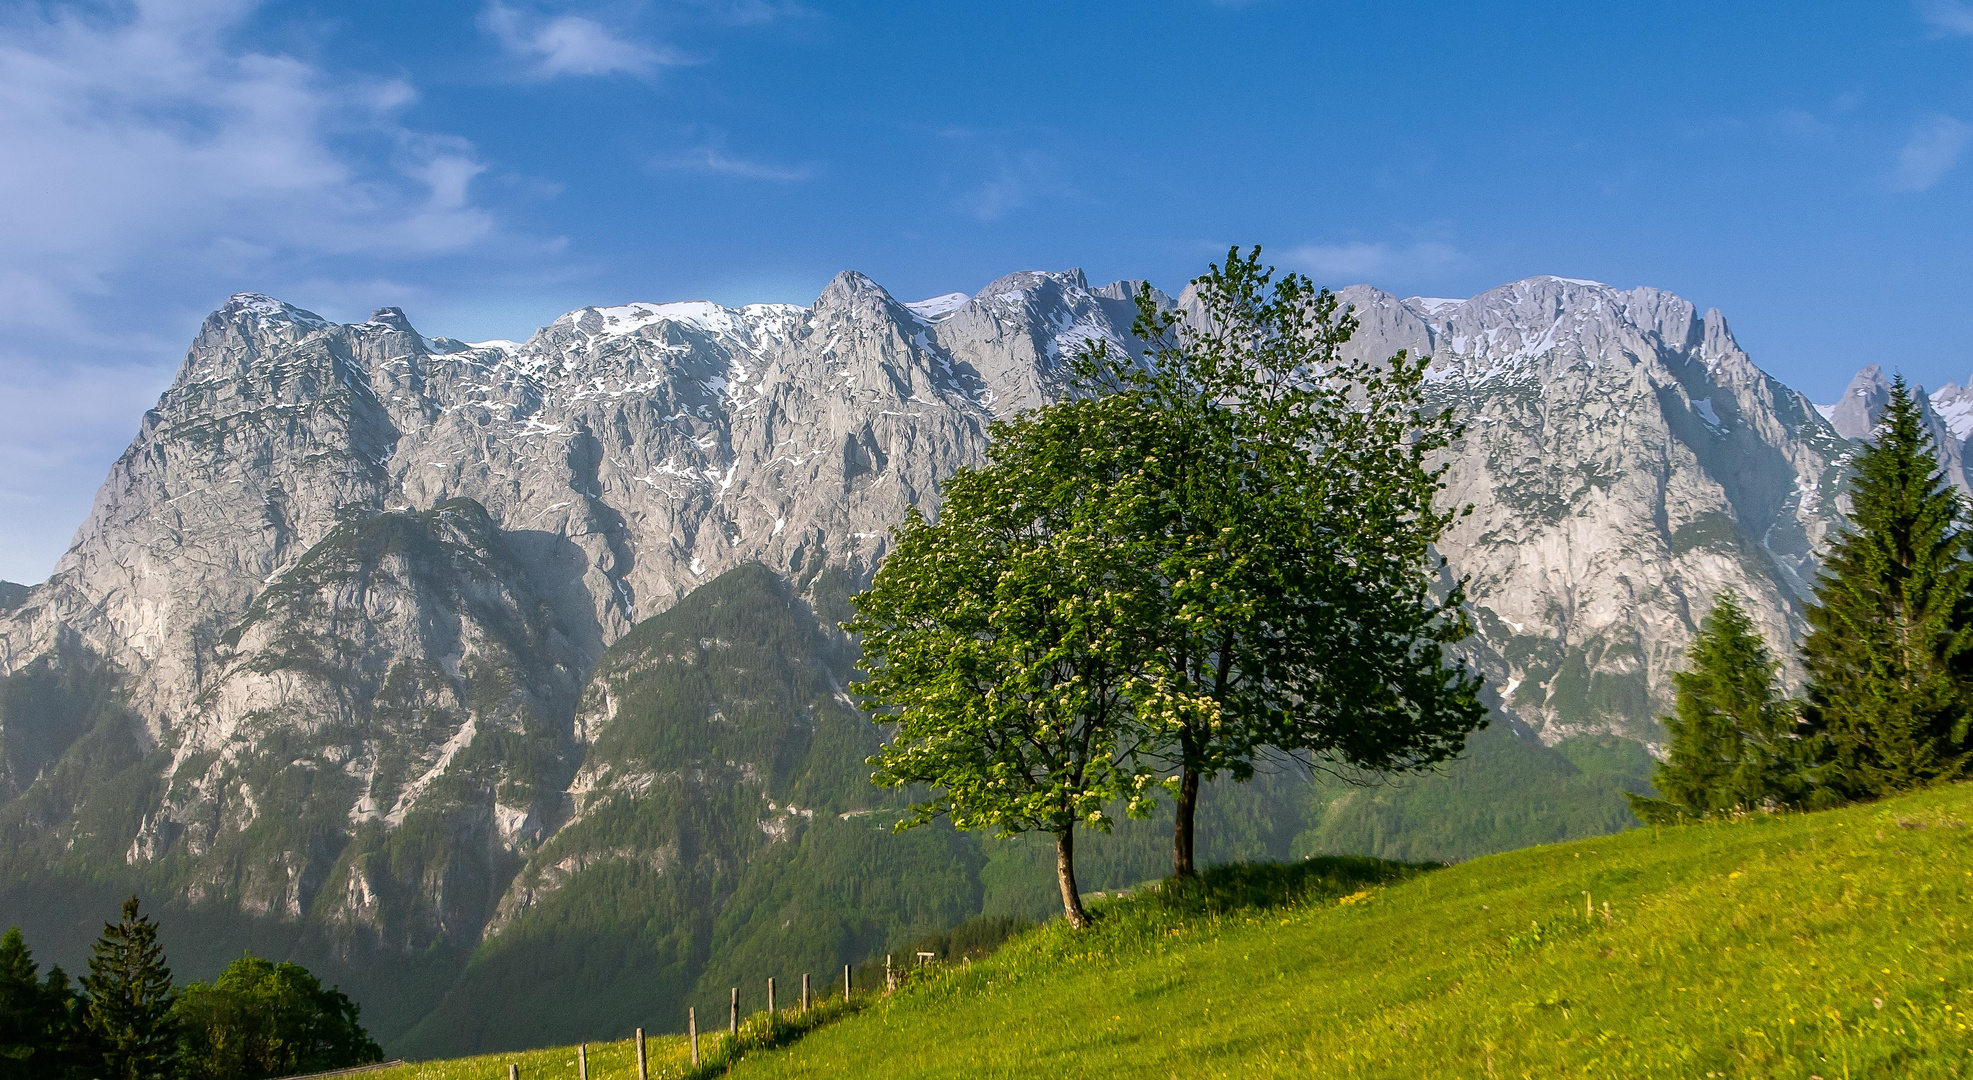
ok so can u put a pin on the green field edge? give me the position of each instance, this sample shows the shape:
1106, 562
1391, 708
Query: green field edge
667, 1057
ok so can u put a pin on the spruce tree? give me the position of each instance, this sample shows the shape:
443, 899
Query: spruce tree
1890, 646
1734, 741
129, 993
37, 1036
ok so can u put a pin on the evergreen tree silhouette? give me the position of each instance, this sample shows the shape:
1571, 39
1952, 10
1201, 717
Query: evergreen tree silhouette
1890, 646
129, 1000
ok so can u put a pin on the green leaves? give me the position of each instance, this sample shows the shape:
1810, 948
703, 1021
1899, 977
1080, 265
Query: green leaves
1221, 548
1890, 646
1735, 741
1285, 513
263, 1019
998, 637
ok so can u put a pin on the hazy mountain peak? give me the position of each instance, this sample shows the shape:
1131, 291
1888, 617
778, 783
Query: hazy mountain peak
1855, 413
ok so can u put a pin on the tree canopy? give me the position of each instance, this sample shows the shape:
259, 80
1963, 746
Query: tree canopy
1216, 549
258, 1020
998, 640
261, 1019
1282, 516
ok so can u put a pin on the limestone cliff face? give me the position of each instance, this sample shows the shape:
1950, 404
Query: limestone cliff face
335, 608
349, 580
1626, 462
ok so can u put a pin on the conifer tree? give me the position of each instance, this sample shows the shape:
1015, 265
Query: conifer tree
1890, 647
1734, 741
37, 1035
129, 993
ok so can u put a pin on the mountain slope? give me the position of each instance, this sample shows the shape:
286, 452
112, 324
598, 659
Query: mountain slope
1626, 462
722, 822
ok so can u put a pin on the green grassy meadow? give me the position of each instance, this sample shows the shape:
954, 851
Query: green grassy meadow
1823, 945
1831, 945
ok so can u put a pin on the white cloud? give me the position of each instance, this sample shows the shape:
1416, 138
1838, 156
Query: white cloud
708, 159
1934, 148
1947, 16
559, 45
1360, 261
125, 138
152, 164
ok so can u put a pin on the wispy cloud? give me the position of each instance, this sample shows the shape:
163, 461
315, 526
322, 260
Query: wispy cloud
1359, 261
753, 12
1015, 179
153, 164
1947, 16
129, 139
553, 46
717, 162
1934, 148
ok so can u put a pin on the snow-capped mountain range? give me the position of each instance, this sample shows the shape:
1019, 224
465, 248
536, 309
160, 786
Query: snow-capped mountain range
349, 578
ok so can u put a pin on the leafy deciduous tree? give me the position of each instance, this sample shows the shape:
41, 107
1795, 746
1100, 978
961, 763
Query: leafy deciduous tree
262, 1019
996, 640
1283, 515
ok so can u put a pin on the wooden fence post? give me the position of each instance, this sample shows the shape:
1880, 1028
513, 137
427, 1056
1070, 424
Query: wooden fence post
846, 984
804, 991
733, 1020
513, 1072
770, 1001
691, 1034
582, 1061
643, 1068
890, 980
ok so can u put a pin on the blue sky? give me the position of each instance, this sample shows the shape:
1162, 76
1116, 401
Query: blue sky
489, 164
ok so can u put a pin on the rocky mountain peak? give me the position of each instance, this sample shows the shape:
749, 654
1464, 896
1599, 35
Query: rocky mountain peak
1947, 414
391, 318
1856, 412
854, 295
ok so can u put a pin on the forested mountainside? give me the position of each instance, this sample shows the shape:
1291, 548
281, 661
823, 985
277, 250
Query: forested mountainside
435, 663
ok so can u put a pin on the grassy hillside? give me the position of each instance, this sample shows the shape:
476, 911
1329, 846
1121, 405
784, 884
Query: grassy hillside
1829, 945
724, 832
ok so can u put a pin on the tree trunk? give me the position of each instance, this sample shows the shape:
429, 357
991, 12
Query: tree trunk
1065, 872
1185, 812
